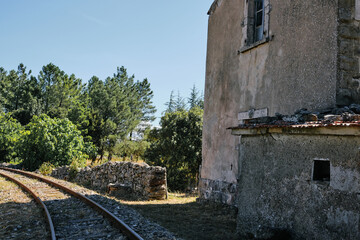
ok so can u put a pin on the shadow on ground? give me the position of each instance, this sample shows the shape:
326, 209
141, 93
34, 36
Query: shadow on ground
191, 220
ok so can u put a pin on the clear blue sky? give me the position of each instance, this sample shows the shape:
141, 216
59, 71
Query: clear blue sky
162, 40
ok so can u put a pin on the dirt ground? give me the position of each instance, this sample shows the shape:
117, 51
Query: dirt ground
188, 219
20, 216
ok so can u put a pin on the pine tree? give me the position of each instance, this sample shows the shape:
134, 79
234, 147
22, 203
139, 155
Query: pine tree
170, 105
180, 104
195, 100
117, 106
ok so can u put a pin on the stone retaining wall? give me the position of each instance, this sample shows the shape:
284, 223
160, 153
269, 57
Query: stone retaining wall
147, 182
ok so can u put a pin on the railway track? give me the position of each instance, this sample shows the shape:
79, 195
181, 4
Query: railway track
70, 215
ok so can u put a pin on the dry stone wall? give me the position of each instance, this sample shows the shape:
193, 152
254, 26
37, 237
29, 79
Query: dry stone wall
147, 182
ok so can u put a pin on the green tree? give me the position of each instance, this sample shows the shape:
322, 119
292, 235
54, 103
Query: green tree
195, 99
3, 88
117, 106
19, 94
144, 99
105, 111
177, 146
180, 104
48, 77
102, 111
79, 113
60, 93
170, 105
52, 140
10, 133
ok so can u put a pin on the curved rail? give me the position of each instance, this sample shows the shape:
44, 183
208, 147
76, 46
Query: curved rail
38, 200
120, 224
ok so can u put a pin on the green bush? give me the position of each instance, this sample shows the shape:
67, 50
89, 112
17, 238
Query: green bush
177, 146
131, 149
52, 140
10, 134
46, 168
90, 150
75, 167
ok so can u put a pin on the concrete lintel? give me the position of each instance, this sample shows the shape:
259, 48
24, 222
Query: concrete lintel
338, 131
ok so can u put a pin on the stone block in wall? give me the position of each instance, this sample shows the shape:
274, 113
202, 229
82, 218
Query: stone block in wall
345, 14
157, 181
345, 47
119, 188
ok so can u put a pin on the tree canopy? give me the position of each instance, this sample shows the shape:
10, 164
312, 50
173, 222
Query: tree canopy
117, 106
104, 111
55, 119
178, 103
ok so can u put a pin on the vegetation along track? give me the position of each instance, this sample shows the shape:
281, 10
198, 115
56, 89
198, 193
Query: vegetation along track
71, 218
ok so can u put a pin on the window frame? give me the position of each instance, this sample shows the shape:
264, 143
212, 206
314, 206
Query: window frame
258, 20
249, 39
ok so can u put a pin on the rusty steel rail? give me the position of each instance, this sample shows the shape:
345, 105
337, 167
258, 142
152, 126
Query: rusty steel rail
38, 200
119, 223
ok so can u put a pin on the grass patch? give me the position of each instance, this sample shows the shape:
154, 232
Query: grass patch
188, 219
115, 158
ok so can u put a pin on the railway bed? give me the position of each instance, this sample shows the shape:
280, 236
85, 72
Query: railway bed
74, 219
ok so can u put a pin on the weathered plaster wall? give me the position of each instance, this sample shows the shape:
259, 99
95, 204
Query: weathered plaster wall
224, 34
296, 69
301, 65
276, 190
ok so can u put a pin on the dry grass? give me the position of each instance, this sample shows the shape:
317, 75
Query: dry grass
188, 219
173, 198
10, 192
98, 161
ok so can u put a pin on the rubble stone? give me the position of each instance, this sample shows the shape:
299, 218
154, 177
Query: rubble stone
346, 113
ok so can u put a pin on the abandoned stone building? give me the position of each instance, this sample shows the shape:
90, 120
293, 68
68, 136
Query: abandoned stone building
285, 169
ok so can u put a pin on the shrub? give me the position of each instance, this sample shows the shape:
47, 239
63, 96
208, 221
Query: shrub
46, 168
132, 149
56, 141
10, 133
177, 146
75, 167
90, 150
